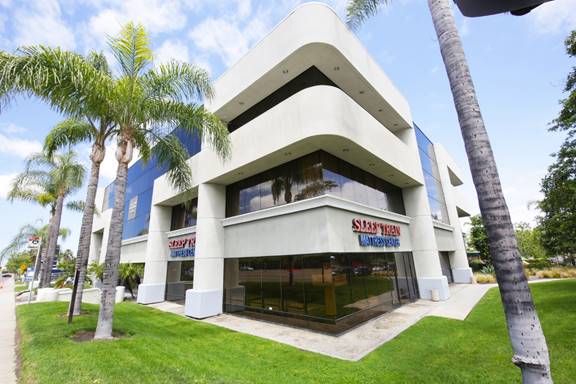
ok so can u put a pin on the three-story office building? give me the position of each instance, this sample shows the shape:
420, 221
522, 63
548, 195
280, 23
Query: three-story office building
334, 206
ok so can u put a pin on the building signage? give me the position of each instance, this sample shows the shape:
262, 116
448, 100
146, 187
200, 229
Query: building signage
376, 234
183, 247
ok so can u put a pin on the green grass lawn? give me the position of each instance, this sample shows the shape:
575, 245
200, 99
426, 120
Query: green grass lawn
20, 287
165, 348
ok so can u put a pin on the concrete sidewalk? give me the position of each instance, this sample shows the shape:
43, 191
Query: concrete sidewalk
7, 333
360, 341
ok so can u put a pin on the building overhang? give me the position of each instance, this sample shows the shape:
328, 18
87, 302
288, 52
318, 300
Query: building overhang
312, 35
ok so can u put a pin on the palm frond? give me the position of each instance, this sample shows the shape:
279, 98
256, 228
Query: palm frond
142, 143
76, 205
32, 187
178, 81
358, 11
19, 241
193, 119
132, 49
66, 133
45, 178
99, 61
64, 233
170, 151
65, 80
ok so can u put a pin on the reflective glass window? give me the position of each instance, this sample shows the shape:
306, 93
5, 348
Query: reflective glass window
313, 175
328, 292
431, 177
184, 215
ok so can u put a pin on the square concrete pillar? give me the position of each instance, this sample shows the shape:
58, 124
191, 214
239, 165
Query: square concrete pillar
206, 298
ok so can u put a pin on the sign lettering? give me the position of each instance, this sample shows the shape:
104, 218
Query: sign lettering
184, 247
376, 234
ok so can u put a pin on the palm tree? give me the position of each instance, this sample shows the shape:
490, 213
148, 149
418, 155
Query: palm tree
40, 71
524, 329
95, 127
146, 103
142, 104
49, 180
130, 275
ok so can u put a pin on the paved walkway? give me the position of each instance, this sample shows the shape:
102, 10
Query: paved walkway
7, 333
360, 341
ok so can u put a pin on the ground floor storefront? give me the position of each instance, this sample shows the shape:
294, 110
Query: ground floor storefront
328, 292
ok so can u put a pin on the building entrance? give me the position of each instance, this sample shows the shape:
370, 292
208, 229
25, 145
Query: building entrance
179, 278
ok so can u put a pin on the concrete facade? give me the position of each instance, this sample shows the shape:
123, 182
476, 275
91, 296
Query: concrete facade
363, 120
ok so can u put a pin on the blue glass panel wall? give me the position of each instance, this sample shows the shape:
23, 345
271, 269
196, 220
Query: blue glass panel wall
431, 177
140, 184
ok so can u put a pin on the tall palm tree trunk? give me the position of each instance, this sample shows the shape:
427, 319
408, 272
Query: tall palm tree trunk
86, 230
525, 332
110, 280
53, 232
39, 273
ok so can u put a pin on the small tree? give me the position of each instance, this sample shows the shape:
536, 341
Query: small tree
558, 219
49, 181
478, 239
530, 242
131, 275
16, 260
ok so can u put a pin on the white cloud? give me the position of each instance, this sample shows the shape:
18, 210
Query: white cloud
41, 23
522, 191
220, 37
554, 16
244, 8
157, 16
238, 28
12, 129
6, 184
171, 50
18, 147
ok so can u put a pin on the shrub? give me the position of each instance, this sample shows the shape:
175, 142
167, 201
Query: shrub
476, 265
556, 273
539, 263
488, 270
483, 278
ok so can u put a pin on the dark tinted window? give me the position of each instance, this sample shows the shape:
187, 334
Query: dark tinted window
309, 78
431, 177
184, 215
179, 278
315, 174
329, 293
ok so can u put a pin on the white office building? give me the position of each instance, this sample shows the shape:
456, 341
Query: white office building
333, 208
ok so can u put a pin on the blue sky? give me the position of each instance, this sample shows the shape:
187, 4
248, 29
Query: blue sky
518, 65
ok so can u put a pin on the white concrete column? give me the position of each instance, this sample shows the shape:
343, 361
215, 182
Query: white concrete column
104, 246
205, 299
153, 288
424, 247
95, 247
461, 271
